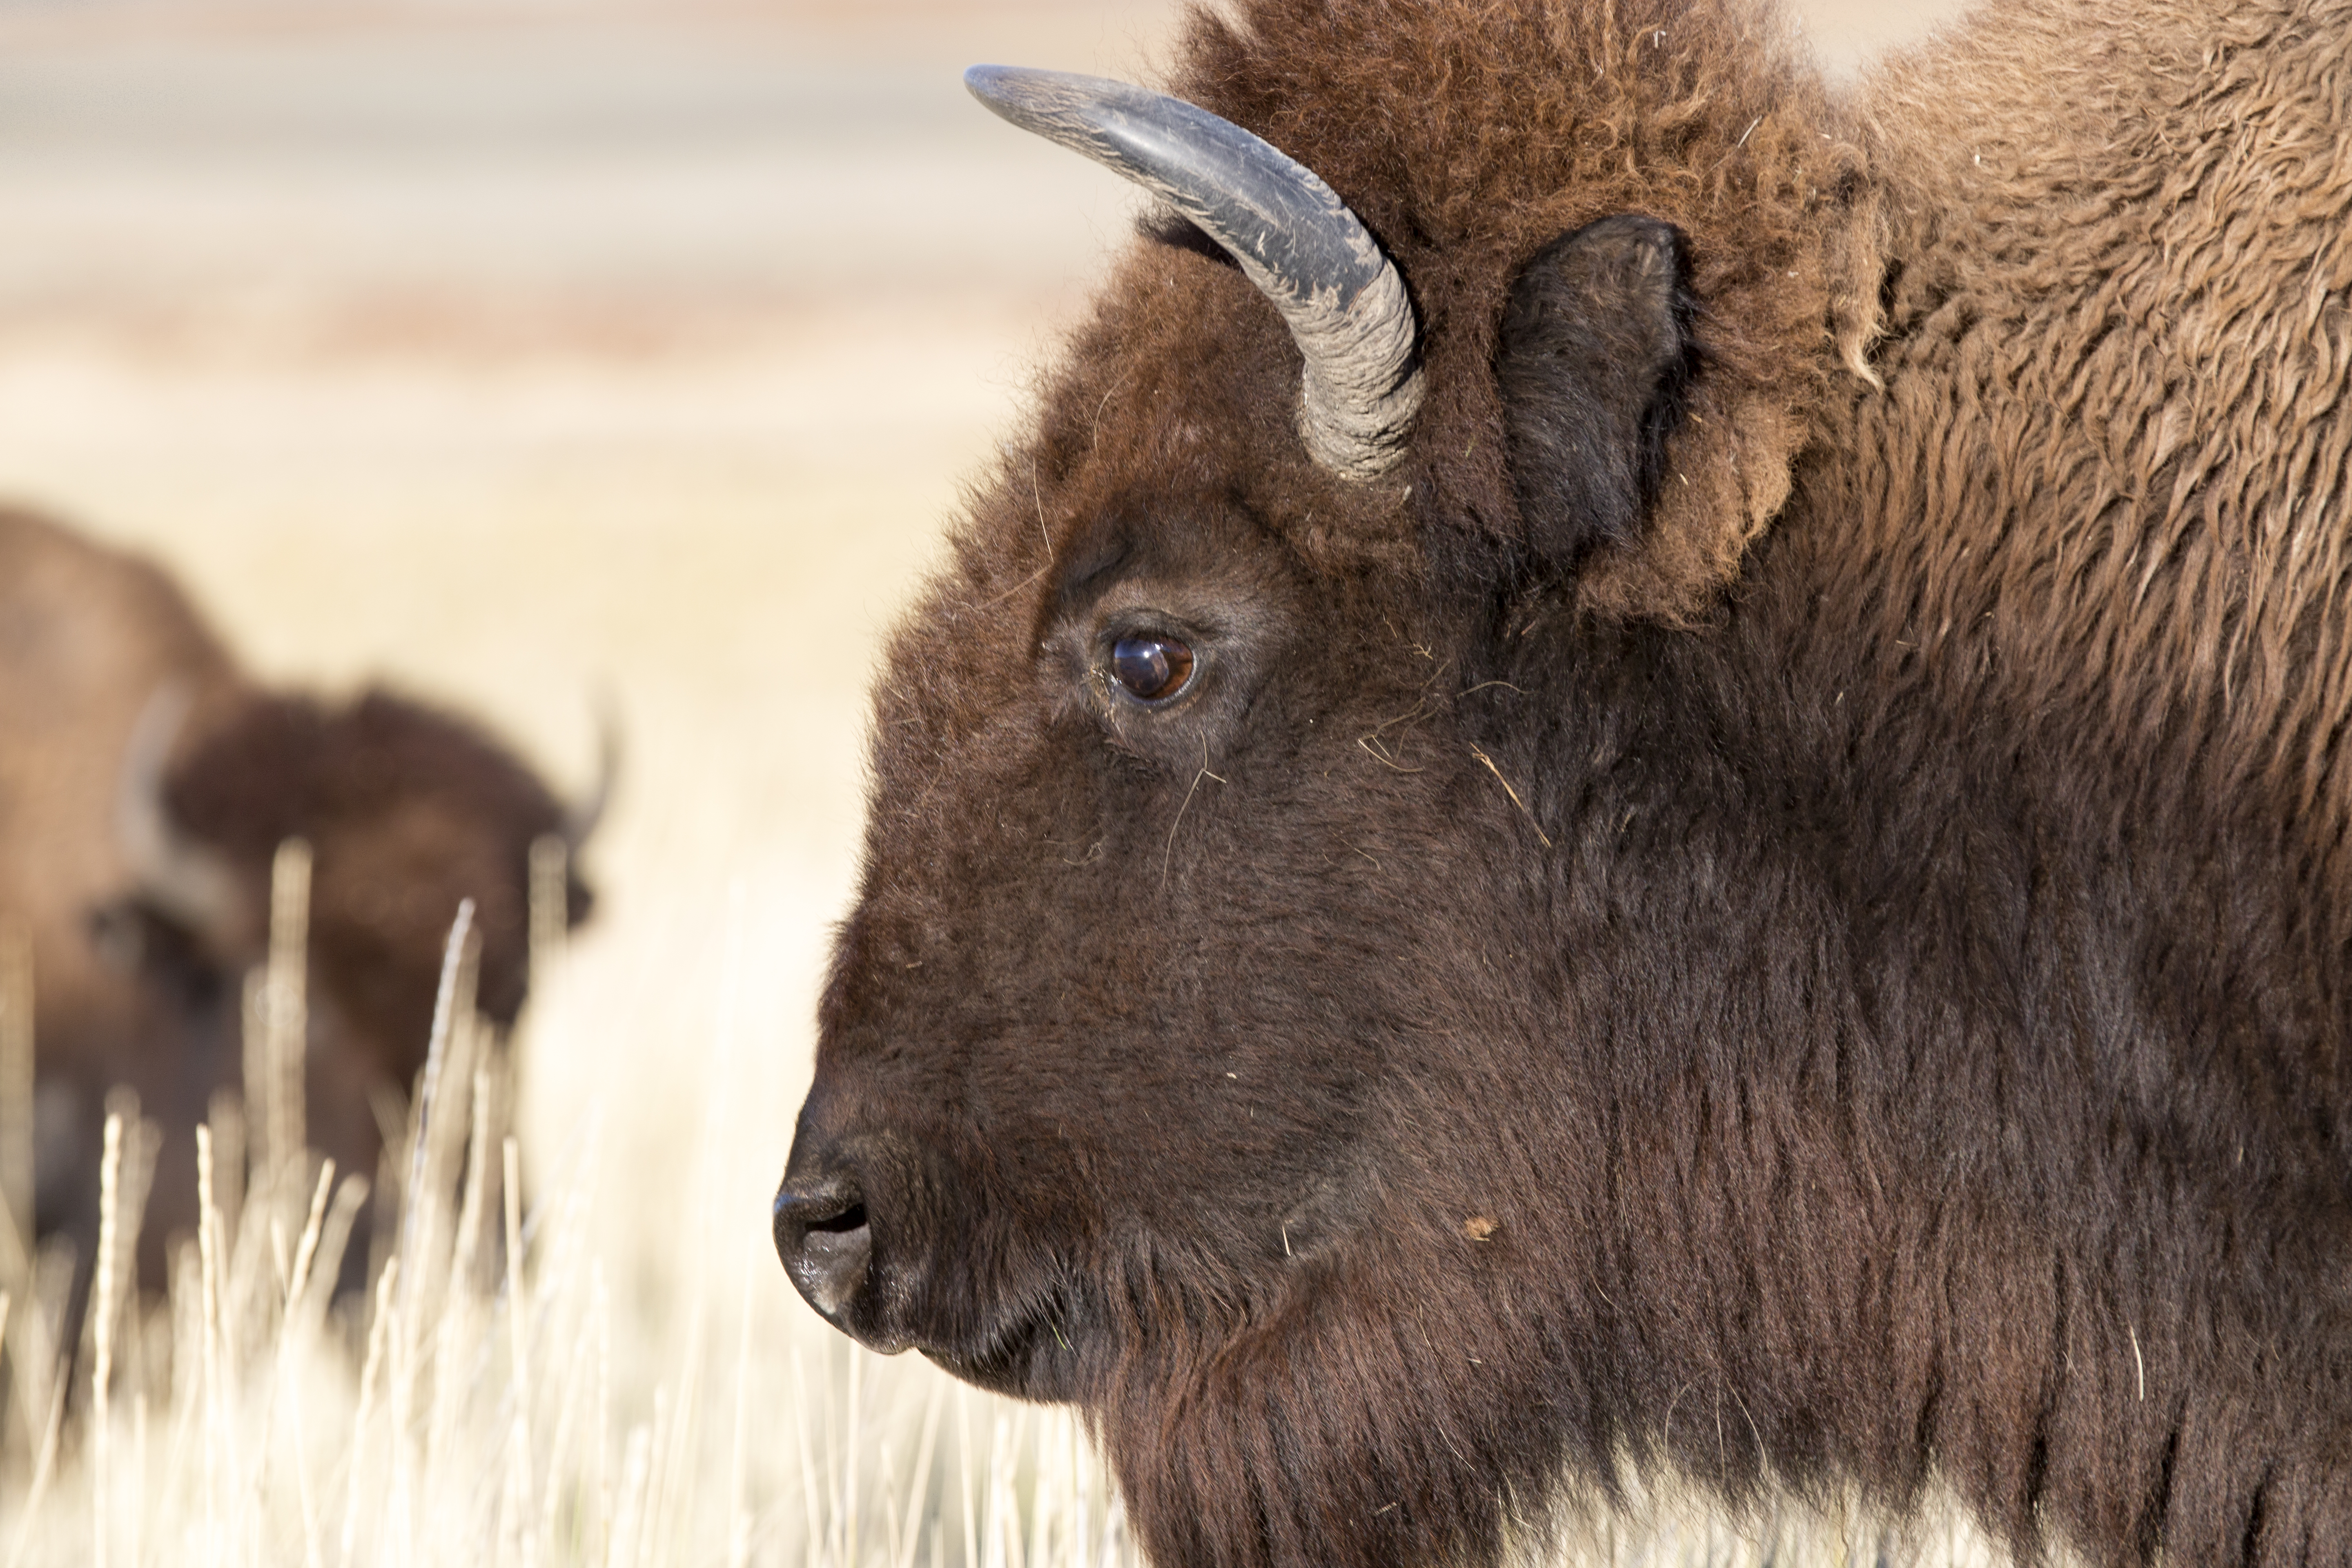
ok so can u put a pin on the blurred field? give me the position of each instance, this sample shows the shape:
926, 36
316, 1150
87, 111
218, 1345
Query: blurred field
522, 350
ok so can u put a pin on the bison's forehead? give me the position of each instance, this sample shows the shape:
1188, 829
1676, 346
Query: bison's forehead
1173, 412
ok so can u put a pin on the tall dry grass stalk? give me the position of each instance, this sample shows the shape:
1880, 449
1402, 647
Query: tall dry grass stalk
285, 1016
16, 1103
103, 1302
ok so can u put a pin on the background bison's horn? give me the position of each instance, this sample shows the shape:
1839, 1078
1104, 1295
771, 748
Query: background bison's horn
188, 880
580, 820
1344, 302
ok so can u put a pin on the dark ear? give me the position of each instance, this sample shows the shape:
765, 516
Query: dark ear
1595, 354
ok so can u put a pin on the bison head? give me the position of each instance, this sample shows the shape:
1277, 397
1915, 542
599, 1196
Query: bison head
1176, 1058
408, 812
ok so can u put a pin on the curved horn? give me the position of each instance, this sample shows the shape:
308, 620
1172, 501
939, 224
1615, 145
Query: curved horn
1344, 302
188, 880
580, 818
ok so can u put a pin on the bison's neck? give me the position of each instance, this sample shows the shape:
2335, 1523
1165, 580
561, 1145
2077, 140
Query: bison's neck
1966, 1067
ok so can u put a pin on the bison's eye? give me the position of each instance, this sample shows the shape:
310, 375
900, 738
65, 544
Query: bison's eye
1152, 668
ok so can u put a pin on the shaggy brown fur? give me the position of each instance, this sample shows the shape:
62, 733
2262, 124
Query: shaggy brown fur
1860, 1000
408, 810
2119, 287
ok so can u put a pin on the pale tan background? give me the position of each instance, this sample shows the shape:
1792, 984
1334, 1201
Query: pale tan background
515, 351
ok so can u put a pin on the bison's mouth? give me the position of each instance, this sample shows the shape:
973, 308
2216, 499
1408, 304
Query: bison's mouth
1039, 1349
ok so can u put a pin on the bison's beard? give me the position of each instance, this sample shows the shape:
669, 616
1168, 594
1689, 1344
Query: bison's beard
1336, 1424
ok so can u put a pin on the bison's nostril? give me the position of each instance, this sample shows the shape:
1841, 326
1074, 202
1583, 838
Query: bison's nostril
823, 1237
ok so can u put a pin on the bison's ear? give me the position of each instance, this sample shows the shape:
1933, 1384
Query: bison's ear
1594, 357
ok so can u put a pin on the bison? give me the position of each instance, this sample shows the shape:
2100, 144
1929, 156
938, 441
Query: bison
145, 786
1642, 769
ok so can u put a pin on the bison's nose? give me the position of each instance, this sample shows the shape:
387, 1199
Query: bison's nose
823, 1237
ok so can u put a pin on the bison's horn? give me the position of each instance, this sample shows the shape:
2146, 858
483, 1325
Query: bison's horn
1294, 239
585, 813
189, 882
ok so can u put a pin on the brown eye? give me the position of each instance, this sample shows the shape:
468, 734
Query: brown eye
1152, 668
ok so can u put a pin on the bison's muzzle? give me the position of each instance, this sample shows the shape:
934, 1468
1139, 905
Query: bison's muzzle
854, 1235
893, 1236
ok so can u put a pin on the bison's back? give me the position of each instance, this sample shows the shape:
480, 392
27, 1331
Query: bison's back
88, 634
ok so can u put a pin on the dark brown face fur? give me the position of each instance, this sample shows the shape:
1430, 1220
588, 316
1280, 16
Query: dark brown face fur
1538, 1001
1122, 930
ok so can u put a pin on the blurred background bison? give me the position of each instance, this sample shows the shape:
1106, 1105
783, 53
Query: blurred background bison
146, 786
